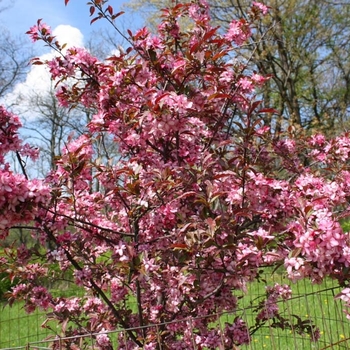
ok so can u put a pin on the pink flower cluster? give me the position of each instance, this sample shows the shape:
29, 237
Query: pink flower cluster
270, 307
239, 32
192, 198
344, 295
236, 333
35, 296
40, 31
261, 7
20, 198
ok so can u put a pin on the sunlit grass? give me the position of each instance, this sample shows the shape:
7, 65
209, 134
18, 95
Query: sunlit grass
18, 328
314, 302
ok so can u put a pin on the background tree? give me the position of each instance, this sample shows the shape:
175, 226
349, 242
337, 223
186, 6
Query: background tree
15, 56
303, 46
48, 126
14, 62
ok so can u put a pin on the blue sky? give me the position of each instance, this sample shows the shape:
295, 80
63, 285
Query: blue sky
22, 14
70, 24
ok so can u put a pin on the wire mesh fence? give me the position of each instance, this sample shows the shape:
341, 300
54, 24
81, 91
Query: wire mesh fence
309, 302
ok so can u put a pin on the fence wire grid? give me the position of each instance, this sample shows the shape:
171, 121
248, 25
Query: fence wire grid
315, 302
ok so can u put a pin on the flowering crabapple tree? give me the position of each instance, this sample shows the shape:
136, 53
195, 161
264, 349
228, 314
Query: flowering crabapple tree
200, 198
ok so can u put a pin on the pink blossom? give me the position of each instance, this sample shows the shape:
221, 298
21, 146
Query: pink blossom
39, 31
258, 79
317, 140
103, 340
199, 11
263, 8
270, 308
246, 84
237, 333
344, 295
238, 32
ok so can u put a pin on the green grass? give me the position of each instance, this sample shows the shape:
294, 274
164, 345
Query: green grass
313, 302
345, 224
17, 328
309, 301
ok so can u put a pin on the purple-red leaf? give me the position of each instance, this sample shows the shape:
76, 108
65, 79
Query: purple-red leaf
95, 19
110, 9
117, 14
268, 110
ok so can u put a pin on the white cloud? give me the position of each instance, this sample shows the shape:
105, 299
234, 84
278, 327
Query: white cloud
69, 35
38, 79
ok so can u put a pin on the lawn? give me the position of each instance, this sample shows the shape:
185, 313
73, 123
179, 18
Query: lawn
314, 302
18, 328
309, 301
